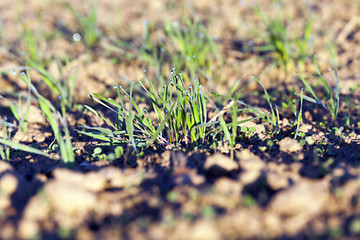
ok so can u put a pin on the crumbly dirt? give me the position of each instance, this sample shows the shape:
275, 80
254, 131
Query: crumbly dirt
275, 187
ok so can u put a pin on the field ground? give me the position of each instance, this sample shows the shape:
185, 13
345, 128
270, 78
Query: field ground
247, 180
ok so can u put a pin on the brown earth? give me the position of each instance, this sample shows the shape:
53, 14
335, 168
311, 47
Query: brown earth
287, 190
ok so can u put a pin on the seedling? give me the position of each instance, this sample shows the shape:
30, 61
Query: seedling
333, 106
286, 51
5, 150
180, 113
65, 146
181, 117
298, 115
274, 117
187, 45
31, 47
190, 46
88, 28
16, 109
63, 87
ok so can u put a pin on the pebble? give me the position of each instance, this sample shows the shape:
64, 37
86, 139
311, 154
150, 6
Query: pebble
8, 184
220, 165
69, 198
289, 145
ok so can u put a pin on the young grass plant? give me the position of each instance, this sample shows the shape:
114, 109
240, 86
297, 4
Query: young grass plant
332, 103
4, 149
152, 54
298, 115
63, 87
180, 116
48, 109
190, 46
88, 27
187, 45
16, 109
224, 127
274, 117
287, 52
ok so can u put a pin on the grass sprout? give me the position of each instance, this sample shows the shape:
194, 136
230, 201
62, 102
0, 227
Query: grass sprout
190, 46
16, 109
230, 130
298, 115
63, 87
88, 27
180, 116
286, 51
187, 45
274, 117
52, 115
332, 102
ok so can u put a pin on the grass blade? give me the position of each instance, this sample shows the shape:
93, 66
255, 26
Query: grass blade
25, 148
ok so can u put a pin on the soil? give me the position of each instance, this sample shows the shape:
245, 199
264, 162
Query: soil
274, 187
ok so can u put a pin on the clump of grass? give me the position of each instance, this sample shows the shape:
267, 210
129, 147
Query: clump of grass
231, 129
331, 101
287, 52
298, 115
181, 117
4, 149
31, 47
16, 109
273, 117
190, 46
88, 27
187, 45
63, 87
52, 115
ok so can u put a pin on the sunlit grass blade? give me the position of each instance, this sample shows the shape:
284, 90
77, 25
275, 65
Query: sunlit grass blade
273, 120
129, 120
299, 115
25, 148
311, 90
161, 126
337, 86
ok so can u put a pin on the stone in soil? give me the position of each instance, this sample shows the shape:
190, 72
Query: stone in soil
220, 165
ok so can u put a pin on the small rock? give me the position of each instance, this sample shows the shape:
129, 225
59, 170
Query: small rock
276, 181
94, 181
248, 177
220, 165
227, 186
5, 202
249, 161
187, 176
69, 198
5, 166
36, 115
205, 229
28, 229
8, 184
289, 145
304, 198
305, 128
